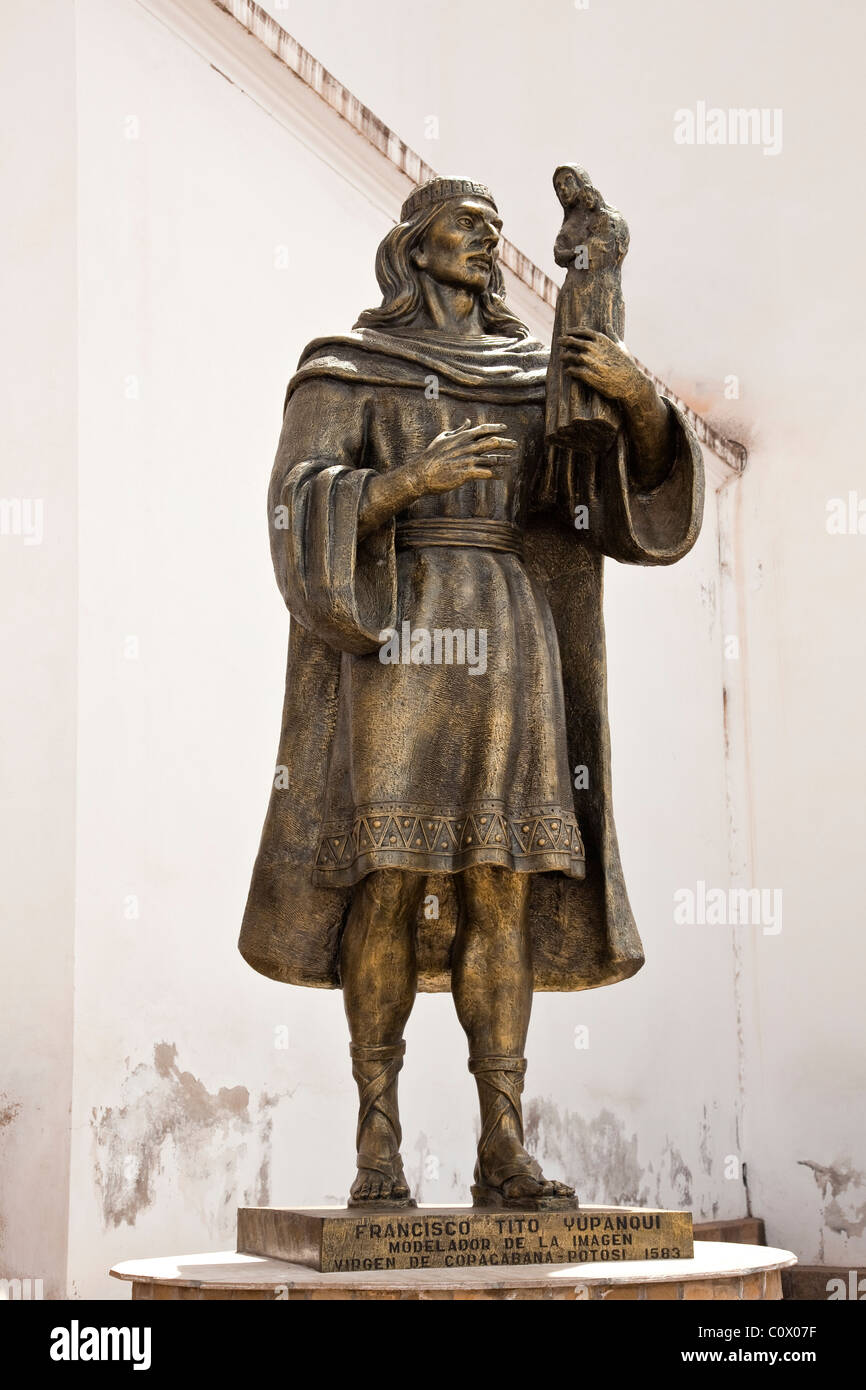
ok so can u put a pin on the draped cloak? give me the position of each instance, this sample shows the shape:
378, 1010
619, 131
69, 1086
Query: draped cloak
367, 776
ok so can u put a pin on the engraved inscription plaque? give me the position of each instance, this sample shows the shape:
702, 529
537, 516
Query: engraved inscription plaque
338, 1239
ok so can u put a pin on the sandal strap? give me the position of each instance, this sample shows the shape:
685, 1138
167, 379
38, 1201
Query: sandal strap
517, 1168
363, 1052
374, 1162
375, 1068
502, 1078
497, 1062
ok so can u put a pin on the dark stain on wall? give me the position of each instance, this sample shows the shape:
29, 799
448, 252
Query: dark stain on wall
600, 1157
843, 1198
210, 1132
674, 1179
8, 1110
597, 1154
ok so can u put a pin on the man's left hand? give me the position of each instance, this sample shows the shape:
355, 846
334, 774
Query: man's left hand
604, 365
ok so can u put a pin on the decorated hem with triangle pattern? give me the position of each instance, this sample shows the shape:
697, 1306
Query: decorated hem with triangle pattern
540, 839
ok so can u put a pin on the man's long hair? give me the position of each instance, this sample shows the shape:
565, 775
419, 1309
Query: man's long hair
400, 283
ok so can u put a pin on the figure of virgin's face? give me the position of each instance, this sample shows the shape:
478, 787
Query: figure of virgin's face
574, 186
460, 244
567, 188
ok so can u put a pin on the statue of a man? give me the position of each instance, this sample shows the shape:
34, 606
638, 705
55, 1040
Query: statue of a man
442, 821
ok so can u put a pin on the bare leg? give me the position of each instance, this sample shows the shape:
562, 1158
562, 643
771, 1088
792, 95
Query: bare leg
491, 979
379, 975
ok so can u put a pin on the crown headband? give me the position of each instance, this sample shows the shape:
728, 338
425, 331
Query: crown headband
439, 191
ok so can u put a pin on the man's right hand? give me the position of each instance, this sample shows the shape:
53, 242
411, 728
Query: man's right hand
459, 456
454, 457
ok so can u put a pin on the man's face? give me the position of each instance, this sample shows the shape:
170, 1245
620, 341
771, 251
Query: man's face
459, 245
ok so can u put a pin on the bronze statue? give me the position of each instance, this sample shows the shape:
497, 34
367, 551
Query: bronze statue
591, 244
425, 831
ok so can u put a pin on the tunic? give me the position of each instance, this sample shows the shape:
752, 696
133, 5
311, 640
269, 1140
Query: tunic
451, 752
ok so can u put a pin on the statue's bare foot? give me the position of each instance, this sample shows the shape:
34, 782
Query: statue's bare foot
380, 1177
520, 1188
507, 1175
377, 1185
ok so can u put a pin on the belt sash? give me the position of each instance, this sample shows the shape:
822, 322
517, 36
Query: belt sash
478, 532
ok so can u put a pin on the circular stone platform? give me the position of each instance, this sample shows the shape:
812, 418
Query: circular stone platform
717, 1271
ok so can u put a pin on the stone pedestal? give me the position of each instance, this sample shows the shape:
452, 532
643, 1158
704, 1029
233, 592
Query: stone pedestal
726, 1271
345, 1240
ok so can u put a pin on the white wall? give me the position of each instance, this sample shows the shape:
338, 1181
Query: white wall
183, 1106
37, 637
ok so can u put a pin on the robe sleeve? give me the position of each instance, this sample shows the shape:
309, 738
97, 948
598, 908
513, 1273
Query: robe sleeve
342, 589
639, 526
